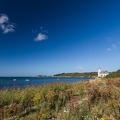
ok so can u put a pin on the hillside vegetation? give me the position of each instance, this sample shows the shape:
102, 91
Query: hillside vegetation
97, 99
114, 74
86, 74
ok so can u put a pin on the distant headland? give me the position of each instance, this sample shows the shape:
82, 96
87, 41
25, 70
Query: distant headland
73, 74
115, 74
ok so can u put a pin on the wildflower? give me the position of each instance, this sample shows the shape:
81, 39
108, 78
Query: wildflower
65, 110
37, 97
102, 118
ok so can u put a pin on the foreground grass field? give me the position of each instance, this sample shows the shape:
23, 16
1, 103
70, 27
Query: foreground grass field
97, 99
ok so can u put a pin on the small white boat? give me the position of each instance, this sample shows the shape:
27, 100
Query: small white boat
14, 79
27, 80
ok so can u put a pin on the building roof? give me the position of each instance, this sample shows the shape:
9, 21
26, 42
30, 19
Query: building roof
104, 72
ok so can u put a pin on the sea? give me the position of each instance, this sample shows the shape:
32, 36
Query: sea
9, 82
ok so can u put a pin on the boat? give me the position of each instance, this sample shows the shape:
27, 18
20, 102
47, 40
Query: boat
14, 79
27, 79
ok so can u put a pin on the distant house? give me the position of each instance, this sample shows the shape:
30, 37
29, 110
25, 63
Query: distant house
102, 73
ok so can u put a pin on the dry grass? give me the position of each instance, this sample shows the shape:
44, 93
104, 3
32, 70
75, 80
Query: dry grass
86, 100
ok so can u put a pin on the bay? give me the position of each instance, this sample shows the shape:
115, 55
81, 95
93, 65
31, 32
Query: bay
8, 82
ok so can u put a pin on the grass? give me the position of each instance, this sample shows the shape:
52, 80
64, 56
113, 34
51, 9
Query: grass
97, 99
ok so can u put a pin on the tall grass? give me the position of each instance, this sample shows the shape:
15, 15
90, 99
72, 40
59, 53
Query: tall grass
86, 100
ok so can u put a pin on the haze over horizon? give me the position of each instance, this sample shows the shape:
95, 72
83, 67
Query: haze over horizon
55, 36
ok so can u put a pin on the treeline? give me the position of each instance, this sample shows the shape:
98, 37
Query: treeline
115, 74
85, 74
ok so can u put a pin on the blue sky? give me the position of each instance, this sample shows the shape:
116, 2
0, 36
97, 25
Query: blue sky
55, 36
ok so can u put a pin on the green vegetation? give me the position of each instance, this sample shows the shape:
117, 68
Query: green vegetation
85, 74
97, 99
114, 74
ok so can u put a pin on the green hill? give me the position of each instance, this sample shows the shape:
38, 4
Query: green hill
85, 74
115, 74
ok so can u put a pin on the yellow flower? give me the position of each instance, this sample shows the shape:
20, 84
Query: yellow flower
102, 118
37, 97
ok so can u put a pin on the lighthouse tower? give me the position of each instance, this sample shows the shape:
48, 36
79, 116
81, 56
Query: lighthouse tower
99, 72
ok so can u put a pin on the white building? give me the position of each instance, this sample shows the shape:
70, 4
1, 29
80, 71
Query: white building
102, 73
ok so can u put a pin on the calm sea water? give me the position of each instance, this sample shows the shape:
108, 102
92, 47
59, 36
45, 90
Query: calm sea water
8, 82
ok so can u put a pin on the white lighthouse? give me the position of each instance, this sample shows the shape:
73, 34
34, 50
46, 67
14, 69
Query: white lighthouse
102, 73
99, 72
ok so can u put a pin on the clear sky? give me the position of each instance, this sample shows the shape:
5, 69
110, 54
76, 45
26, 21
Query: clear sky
55, 36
